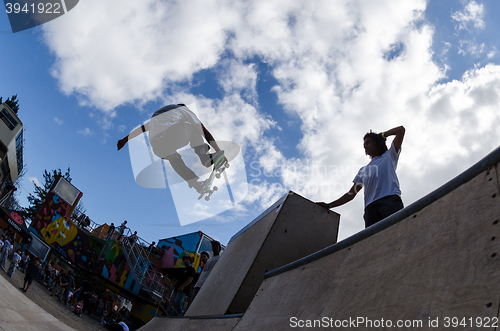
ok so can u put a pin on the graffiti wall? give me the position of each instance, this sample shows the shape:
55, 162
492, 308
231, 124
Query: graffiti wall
186, 244
114, 267
104, 258
64, 236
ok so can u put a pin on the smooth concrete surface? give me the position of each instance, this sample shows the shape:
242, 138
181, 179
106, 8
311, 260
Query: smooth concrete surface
18, 313
434, 268
189, 324
293, 229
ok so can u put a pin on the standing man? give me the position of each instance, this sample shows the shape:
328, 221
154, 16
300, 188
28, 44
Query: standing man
378, 177
16, 258
209, 265
111, 229
133, 238
183, 285
68, 286
7, 247
31, 272
58, 281
121, 229
152, 248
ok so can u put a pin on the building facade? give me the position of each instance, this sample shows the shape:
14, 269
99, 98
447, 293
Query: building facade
11, 146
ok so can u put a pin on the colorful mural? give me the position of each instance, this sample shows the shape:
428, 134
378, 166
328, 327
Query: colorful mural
106, 257
79, 247
64, 236
186, 244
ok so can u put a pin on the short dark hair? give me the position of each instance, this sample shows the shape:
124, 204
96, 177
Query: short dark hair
205, 253
378, 140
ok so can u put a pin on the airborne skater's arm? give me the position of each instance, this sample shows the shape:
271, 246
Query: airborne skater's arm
210, 138
132, 135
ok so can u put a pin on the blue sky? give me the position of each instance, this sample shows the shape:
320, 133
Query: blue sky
296, 84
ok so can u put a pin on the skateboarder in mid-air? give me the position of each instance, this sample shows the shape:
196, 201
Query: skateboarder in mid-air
173, 127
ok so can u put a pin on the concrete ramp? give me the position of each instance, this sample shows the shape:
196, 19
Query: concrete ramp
433, 265
212, 323
17, 312
292, 228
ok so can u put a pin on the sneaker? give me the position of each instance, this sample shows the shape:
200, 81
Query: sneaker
213, 158
206, 158
198, 186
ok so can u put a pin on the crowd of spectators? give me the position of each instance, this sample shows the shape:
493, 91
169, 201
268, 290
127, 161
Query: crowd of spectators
68, 289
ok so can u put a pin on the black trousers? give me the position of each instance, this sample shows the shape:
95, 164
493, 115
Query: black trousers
382, 208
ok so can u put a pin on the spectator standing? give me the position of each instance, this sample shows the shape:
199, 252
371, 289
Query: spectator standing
183, 285
58, 284
5, 252
111, 230
382, 192
100, 306
76, 293
123, 226
133, 238
64, 283
25, 258
209, 265
16, 258
69, 286
31, 272
89, 301
108, 309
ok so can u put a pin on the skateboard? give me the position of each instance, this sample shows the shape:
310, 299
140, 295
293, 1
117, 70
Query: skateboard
220, 165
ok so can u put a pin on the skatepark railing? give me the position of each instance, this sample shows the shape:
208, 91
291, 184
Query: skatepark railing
136, 251
137, 255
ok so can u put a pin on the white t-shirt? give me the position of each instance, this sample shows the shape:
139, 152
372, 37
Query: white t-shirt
16, 258
169, 115
379, 177
206, 270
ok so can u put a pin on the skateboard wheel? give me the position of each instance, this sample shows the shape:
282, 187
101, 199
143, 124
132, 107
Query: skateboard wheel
207, 198
215, 188
227, 165
217, 176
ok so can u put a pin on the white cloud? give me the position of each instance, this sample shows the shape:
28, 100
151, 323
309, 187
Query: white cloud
469, 47
472, 13
35, 181
492, 53
341, 67
264, 193
236, 77
58, 121
119, 51
86, 132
